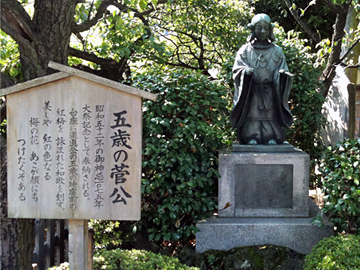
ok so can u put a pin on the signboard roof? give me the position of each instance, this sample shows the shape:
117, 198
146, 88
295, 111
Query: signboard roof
69, 71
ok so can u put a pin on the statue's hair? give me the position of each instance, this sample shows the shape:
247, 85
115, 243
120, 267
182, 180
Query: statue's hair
258, 18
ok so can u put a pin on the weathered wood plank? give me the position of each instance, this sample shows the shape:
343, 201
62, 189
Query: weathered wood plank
75, 153
104, 81
35, 82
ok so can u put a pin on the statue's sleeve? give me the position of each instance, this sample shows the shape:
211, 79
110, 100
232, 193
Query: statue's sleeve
283, 84
242, 84
238, 72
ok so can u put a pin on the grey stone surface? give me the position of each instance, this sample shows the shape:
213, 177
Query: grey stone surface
263, 148
247, 175
295, 233
270, 178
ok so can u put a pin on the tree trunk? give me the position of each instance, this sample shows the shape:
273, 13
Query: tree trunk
16, 239
44, 37
51, 31
334, 58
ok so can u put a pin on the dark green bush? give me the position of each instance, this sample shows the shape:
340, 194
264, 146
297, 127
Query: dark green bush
340, 170
306, 99
182, 134
136, 260
107, 234
189, 123
337, 252
121, 259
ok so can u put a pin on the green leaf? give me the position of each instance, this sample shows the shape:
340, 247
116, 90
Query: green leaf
151, 236
14, 72
176, 236
157, 237
155, 2
119, 22
143, 4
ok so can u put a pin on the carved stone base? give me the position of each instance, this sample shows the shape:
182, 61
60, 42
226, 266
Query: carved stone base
272, 184
295, 233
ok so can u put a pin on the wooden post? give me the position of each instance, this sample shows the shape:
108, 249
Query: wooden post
352, 108
78, 245
91, 243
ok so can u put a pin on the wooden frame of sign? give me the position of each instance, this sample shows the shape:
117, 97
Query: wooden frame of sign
74, 147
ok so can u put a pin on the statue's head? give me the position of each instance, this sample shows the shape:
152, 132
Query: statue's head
258, 22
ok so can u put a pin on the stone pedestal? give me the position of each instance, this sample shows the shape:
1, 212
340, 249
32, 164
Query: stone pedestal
263, 199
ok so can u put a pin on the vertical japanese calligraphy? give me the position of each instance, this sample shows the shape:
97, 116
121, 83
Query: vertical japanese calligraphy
99, 156
119, 173
60, 172
34, 158
47, 142
86, 162
21, 167
34, 180
73, 151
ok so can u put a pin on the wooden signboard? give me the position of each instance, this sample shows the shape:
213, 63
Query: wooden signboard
74, 148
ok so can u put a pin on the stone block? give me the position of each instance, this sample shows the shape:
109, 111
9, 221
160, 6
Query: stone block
295, 233
270, 184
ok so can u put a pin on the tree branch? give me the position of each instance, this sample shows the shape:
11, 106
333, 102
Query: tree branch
77, 28
336, 43
349, 50
313, 35
5, 82
333, 7
2, 110
110, 68
92, 57
16, 22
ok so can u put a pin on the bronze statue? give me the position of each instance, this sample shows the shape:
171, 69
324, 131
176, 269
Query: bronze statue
262, 87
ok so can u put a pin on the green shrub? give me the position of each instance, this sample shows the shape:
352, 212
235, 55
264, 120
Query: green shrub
182, 134
107, 234
340, 170
121, 259
306, 100
337, 252
136, 260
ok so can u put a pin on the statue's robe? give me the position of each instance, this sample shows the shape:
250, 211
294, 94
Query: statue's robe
261, 108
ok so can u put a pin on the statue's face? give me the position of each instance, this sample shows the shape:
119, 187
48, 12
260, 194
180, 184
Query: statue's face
262, 31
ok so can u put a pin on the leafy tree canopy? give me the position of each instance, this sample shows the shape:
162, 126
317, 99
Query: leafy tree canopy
182, 50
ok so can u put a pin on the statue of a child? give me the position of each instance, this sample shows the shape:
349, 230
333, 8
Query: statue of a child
262, 87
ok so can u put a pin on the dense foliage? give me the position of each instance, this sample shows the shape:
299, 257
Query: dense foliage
337, 252
340, 170
186, 127
183, 132
305, 99
132, 260
136, 260
318, 14
183, 51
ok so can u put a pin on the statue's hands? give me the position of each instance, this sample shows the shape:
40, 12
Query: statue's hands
281, 71
249, 71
